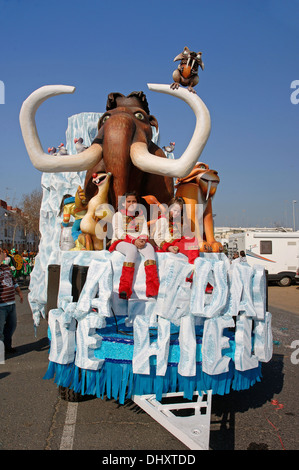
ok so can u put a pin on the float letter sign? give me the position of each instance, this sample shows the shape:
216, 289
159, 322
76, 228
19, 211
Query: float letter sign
2, 93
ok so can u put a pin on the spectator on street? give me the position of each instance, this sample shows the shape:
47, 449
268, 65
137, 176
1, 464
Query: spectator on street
8, 315
236, 257
239, 258
243, 258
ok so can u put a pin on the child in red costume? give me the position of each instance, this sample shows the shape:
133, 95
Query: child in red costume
130, 235
169, 232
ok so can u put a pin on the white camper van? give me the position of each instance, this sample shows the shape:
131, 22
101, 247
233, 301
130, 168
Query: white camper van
277, 251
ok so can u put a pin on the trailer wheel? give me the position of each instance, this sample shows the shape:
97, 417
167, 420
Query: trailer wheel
285, 281
68, 394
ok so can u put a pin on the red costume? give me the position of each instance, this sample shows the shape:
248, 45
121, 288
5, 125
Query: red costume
128, 228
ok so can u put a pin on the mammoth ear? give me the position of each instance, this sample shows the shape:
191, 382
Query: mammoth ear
100, 121
153, 121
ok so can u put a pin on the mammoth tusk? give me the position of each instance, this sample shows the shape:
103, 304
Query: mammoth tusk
182, 166
40, 160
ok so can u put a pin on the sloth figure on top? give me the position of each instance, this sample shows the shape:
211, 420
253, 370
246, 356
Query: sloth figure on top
130, 235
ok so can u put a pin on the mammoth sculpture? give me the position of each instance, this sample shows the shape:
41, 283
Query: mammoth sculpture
123, 146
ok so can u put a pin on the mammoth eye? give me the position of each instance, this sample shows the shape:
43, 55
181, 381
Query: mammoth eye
105, 118
139, 116
202, 167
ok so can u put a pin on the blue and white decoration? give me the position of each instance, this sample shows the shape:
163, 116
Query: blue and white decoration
183, 340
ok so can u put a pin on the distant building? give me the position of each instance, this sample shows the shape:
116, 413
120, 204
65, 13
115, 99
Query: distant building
12, 231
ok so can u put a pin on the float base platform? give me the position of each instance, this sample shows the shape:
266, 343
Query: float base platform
116, 379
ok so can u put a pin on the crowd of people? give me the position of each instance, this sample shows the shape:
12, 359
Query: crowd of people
13, 267
20, 264
239, 257
8, 316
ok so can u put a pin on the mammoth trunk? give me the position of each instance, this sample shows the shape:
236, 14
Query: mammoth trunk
118, 138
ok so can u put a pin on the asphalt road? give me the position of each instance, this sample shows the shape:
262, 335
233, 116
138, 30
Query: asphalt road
34, 417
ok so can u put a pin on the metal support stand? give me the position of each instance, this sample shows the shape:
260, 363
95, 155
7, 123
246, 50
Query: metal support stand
188, 421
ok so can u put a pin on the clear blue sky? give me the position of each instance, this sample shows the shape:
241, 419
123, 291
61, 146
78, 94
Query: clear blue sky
250, 50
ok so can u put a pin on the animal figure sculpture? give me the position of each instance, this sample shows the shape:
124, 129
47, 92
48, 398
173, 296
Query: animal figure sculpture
123, 145
169, 148
93, 233
128, 119
199, 188
79, 145
187, 72
62, 150
52, 150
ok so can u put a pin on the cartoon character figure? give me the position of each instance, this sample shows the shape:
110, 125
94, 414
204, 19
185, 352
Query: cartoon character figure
187, 72
75, 207
199, 188
92, 231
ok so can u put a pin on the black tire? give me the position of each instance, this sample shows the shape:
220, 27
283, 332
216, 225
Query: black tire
68, 394
285, 281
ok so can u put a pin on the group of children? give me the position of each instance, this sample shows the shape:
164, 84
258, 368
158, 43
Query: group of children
130, 236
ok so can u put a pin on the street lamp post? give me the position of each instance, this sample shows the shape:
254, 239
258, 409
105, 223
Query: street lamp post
294, 223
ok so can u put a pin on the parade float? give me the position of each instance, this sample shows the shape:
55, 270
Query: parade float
187, 339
